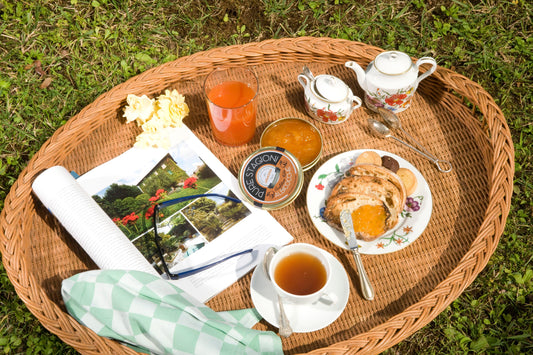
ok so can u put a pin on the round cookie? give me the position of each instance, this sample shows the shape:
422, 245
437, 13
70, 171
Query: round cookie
409, 180
390, 163
368, 157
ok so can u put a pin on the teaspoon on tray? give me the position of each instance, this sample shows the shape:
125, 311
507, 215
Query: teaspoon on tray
393, 121
381, 130
285, 329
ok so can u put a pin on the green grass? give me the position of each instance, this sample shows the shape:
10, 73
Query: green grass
88, 47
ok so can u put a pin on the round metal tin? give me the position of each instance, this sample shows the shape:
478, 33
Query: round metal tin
271, 178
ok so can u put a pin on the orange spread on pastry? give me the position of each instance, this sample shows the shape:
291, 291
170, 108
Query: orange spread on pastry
370, 220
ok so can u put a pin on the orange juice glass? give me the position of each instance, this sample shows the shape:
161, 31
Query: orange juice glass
231, 94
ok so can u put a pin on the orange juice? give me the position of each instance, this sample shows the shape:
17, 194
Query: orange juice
232, 112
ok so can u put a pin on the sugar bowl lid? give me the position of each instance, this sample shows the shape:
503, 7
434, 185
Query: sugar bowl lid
330, 88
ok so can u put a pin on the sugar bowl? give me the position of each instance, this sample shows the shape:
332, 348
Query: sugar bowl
327, 98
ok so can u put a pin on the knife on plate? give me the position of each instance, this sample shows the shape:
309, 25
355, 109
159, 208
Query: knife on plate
349, 232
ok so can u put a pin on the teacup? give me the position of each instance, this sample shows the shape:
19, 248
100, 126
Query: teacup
300, 273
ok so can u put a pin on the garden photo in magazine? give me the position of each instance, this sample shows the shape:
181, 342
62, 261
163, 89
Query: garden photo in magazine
184, 227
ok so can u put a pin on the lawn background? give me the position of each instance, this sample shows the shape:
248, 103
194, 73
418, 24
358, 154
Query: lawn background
56, 57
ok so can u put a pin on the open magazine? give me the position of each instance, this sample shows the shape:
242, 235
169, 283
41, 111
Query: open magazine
110, 212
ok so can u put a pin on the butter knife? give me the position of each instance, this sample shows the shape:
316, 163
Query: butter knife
347, 225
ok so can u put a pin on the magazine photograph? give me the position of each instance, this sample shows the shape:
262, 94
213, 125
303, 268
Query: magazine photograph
184, 227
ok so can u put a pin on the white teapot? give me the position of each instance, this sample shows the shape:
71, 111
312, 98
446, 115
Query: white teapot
391, 79
327, 98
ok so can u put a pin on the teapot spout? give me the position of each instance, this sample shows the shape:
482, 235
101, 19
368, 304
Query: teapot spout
361, 75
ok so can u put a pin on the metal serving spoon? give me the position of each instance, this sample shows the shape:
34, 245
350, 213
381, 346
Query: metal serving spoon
393, 121
381, 130
285, 329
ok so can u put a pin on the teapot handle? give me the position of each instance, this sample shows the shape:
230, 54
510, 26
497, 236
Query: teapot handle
426, 60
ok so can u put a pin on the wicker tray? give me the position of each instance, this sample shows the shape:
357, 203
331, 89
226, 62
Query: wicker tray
450, 114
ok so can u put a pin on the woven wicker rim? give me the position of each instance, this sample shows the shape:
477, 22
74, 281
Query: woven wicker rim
377, 339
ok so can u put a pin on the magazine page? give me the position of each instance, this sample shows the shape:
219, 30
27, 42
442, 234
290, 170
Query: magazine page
86, 222
193, 232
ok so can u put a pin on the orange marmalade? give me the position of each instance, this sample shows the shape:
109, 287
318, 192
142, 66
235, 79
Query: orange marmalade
370, 220
297, 136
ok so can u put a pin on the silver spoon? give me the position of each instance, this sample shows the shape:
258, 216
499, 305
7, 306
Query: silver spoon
381, 130
394, 122
285, 329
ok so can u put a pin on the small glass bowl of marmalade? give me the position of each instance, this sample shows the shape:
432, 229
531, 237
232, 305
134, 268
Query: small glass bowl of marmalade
298, 136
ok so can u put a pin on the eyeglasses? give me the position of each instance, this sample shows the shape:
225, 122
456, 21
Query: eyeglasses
158, 207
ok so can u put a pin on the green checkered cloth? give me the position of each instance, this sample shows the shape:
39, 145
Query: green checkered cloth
154, 316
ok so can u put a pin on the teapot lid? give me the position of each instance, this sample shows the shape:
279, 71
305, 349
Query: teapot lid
330, 88
393, 63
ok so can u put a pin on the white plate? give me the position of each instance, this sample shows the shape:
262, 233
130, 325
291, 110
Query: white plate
412, 221
303, 318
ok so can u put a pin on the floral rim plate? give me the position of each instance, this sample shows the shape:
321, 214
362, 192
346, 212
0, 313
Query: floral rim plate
413, 219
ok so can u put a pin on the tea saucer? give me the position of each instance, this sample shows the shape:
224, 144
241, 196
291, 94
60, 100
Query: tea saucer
303, 318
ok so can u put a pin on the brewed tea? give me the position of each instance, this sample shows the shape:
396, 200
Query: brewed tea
300, 274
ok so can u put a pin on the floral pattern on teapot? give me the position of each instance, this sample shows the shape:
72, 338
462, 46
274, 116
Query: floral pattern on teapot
394, 101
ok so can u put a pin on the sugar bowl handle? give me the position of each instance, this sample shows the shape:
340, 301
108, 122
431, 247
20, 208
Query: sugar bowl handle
306, 77
356, 102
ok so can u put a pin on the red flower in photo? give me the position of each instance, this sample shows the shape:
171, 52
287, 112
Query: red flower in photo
132, 217
157, 196
190, 182
149, 212
319, 187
